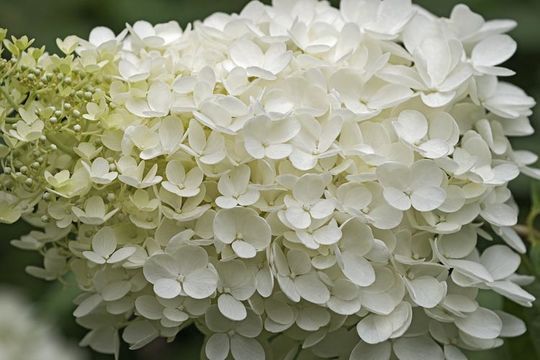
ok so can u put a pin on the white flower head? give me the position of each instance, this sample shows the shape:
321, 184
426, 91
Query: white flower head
297, 180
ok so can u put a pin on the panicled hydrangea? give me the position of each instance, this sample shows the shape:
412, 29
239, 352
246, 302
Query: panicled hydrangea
293, 179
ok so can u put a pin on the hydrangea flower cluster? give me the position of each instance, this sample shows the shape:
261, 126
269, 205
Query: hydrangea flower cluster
297, 180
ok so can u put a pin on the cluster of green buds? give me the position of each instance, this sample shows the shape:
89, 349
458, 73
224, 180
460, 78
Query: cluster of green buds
45, 106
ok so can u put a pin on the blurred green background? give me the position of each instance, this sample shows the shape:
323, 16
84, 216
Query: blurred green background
49, 19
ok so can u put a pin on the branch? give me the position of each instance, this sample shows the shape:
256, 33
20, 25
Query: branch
522, 230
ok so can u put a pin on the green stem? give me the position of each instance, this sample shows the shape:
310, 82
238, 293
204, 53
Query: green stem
530, 226
298, 351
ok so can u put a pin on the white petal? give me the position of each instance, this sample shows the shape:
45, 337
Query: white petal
364, 351
426, 291
458, 245
417, 348
244, 249
511, 237
500, 214
246, 53
483, 324
494, 50
160, 266
428, 198
279, 311
201, 283
357, 269
104, 242
121, 254
397, 198
231, 308
139, 334
312, 289
226, 202
500, 261
149, 307
159, 98
453, 353
217, 347
246, 349
471, 268
100, 35
95, 258
87, 305
167, 288
298, 217
374, 329
309, 188
411, 126
434, 149
511, 325
115, 290
322, 209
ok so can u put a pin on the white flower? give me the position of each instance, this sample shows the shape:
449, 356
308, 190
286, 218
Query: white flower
234, 337
236, 285
265, 65
418, 186
145, 35
372, 97
297, 278
306, 204
186, 271
367, 203
357, 242
134, 69
223, 113
493, 51
439, 69
104, 39
318, 234
384, 19
314, 142
132, 173
170, 135
242, 229
27, 132
265, 137
180, 183
9, 212
433, 139
170, 312
235, 189
94, 212
104, 246
157, 102
100, 172
375, 329
208, 150
504, 99
323, 174
471, 27
182, 209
